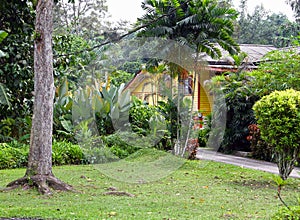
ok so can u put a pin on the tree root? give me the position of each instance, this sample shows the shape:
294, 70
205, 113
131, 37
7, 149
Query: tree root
43, 183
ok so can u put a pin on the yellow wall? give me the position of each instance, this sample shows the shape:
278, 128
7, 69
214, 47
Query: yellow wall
205, 102
147, 90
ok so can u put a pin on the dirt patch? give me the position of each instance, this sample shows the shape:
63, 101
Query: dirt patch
254, 184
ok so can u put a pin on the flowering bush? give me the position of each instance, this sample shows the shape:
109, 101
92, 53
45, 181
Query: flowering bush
259, 148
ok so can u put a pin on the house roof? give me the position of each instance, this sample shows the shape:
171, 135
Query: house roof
255, 53
136, 80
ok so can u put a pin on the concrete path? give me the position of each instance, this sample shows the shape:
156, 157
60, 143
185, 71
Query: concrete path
205, 154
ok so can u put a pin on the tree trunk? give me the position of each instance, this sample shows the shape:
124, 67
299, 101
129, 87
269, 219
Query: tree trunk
286, 161
39, 170
191, 121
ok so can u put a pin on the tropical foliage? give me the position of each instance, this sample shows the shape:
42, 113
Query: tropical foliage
3, 96
16, 67
204, 26
279, 71
15, 154
262, 27
295, 4
199, 24
86, 91
278, 118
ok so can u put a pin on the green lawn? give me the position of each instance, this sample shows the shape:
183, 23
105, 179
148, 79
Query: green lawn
197, 190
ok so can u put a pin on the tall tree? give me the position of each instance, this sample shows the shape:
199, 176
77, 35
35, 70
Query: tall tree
39, 170
201, 24
197, 23
295, 4
81, 17
261, 27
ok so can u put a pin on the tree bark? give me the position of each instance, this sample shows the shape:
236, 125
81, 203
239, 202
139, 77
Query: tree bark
39, 170
39, 161
196, 73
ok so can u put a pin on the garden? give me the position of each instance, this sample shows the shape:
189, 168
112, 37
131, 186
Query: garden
86, 148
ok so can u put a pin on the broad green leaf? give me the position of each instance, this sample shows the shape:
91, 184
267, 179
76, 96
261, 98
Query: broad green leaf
2, 54
63, 88
67, 125
3, 35
115, 113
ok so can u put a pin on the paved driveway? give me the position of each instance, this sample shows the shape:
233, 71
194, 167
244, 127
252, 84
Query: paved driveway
205, 154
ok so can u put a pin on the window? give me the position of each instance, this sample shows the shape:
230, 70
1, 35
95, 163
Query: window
188, 85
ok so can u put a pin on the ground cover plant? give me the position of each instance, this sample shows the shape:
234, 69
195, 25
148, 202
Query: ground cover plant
197, 190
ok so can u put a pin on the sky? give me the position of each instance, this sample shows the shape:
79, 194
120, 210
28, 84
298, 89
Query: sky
131, 9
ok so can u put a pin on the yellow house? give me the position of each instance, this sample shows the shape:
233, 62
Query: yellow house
152, 88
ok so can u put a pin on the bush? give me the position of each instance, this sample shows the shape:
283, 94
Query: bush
169, 110
259, 148
120, 144
15, 129
234, 87
15, 154
64, 153
281, 71
99, 155
152, 123
139, 116
13, 157
278, 117
293, 213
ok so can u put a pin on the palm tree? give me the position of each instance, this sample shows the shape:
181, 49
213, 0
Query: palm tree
204, 25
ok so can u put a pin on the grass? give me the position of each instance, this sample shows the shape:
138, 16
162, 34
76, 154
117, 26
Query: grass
196, 190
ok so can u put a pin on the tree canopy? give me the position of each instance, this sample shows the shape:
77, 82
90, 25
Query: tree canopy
199, 24
263, 27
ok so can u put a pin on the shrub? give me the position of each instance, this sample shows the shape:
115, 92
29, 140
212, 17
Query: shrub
203, 134
170, 112
291, 213
259, 148
120, 144
13, 156
99, 154
139, 116
239, 98
15, 129
202, 137
152, 123
64, 153
278, 117
281, 71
